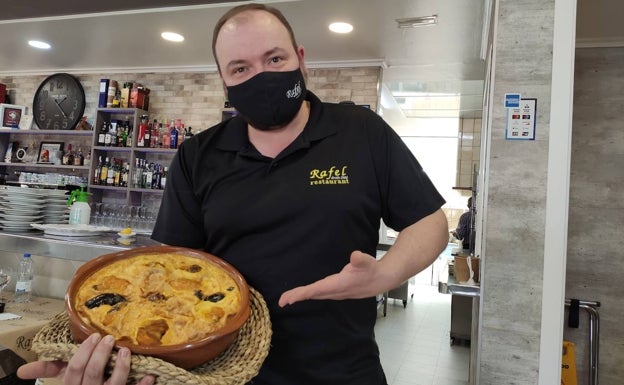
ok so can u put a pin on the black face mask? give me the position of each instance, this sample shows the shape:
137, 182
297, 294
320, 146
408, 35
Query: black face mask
269, 100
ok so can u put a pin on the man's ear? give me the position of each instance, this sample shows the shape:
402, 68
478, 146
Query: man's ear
302, 65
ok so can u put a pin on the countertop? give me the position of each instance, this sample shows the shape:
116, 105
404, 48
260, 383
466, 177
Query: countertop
447, 284
72, 248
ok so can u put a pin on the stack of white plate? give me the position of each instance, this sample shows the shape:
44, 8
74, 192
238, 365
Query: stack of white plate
19, 207
56, 209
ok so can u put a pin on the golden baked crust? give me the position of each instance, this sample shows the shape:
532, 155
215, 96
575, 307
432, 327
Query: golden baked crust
158, 299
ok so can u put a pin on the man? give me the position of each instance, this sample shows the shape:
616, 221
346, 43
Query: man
291, 193
464, 226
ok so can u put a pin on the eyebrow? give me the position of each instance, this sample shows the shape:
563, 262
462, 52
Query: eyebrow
269, 53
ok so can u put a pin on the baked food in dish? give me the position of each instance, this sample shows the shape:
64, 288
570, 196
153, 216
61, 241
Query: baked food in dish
158, 299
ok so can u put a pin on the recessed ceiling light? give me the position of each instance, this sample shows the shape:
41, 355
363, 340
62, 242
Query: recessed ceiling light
422, 21
340, 27
172, 36
39, 44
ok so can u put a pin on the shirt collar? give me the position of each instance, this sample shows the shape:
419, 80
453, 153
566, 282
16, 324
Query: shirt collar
235, 137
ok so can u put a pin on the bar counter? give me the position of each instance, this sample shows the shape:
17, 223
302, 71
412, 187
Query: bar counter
72, 248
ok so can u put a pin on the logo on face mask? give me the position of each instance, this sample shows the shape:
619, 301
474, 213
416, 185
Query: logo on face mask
333, 175
295, 92
269, 100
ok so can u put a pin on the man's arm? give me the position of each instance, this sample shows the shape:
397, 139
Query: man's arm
415, 248
463, 226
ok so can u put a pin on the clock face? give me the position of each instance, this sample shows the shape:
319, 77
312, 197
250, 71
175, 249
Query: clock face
59, 103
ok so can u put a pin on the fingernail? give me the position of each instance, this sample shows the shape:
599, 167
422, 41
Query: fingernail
95, 338
109, 340
124, 352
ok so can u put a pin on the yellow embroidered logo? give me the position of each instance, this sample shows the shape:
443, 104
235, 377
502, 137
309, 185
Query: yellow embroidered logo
335, 175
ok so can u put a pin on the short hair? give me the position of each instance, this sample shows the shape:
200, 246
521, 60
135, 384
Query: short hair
249, 7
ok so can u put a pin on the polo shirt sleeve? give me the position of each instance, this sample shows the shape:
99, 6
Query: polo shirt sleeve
179, 221
407, 193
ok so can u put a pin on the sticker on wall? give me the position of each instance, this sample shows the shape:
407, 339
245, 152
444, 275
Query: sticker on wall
521, 120
512, 100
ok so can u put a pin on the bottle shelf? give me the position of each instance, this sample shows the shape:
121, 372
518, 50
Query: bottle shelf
133, 155
155, 150
105, 187
146, 190
48, 132
112, 148
46, 165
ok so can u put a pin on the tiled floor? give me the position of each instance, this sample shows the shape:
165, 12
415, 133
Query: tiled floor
414, 341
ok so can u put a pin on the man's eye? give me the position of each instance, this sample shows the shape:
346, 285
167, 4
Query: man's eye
276, 59
238, 70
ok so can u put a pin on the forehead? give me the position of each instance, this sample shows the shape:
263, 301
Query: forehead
250, 32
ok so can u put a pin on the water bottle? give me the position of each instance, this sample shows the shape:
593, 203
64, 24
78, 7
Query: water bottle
23, 286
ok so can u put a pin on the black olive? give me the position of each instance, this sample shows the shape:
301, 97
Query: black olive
105, 299
194, 268
216, 297
230, 288
199, 294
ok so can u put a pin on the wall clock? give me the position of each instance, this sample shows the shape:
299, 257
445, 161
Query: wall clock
59, 102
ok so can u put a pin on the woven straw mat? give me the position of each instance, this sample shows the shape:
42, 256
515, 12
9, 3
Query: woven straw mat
239, 363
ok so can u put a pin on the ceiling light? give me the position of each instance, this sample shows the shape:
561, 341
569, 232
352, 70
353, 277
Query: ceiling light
340, 27
39, 44
172, 36
422, 21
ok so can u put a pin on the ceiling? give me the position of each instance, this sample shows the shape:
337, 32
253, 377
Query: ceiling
124, 36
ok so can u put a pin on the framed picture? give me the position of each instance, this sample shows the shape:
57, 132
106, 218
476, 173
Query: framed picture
11, 115
50, 152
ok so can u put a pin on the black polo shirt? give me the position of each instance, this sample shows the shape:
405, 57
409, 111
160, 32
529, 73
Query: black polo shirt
294, 219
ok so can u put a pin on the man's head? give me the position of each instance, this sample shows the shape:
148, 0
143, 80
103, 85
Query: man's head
470, 203
233, 21
261, 65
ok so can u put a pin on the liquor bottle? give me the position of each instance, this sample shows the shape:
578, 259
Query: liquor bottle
166, 136
156, 177
148, 135
67, 158
136, 174
163, 178
117, 173
124, 137
173, 142
149, 172
104, 172
110, 174
141, 133
23, 286
188, 133
155, 137
108, 137
117, 99
124, 175
128, 129
102, 135
97, 171
119, 138
78, 158
159, 139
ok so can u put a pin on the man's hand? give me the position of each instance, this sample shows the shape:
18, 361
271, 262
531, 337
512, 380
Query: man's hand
87, 365
355, 280
415, 248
